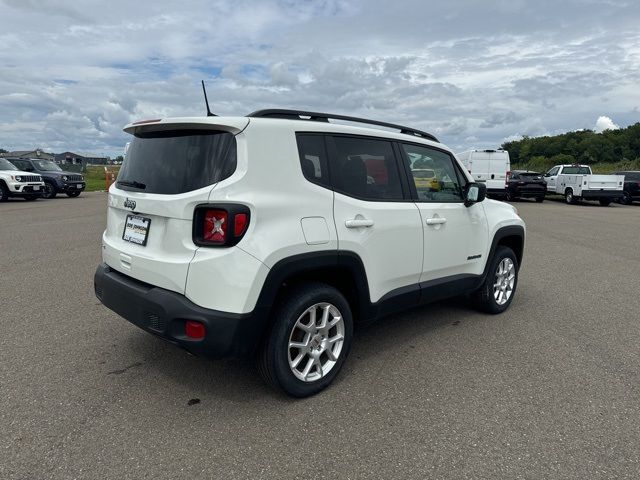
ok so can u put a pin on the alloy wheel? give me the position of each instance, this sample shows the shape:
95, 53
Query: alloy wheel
505, 279
316, 342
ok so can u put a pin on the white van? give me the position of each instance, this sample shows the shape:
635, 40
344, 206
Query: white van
488, 166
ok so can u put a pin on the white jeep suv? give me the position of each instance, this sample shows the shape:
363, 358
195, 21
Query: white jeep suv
16, 183
272, 234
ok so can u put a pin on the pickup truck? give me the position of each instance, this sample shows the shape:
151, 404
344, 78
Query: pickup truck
577, 182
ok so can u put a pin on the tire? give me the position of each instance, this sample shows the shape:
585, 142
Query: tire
292, 322
568, 197
4, 193
626, 199
73, 194
508, 196
487, 298
605, 202
539, 199
31, 198
49, 190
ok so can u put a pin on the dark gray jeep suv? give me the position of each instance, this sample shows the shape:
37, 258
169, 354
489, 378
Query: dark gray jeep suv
55, 179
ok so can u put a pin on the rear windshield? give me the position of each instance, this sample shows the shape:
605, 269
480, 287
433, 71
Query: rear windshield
177, 161
634, 176
529, 175
576, 170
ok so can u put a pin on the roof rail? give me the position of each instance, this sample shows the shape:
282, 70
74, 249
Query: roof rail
324, 117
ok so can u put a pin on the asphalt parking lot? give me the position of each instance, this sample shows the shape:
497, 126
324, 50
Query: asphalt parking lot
550, 389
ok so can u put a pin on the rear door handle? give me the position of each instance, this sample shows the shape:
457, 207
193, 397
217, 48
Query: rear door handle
436, 221
358, 222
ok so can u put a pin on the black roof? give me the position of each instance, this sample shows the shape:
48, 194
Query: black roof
324, 117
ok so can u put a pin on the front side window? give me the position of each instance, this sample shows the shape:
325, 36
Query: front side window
365, 168
172, 162
434, 174
553, 171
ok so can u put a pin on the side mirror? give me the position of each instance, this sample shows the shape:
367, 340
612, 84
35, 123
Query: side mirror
547, 174
476, 192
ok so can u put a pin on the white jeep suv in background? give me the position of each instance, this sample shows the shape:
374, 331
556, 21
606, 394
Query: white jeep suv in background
16, 183
272, 234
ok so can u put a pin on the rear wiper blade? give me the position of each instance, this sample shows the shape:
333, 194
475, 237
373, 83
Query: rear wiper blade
131, 183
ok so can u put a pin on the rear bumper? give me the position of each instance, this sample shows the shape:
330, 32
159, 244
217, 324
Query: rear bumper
528, 191
163, 313
595, 194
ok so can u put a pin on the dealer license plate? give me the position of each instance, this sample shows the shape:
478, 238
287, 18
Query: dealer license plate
136, 229
79, 186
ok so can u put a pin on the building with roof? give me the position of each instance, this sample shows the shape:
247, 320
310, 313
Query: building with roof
37, 153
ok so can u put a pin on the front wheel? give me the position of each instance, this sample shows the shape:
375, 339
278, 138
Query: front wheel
309, 341
73, 194
497, 291
4, 193
605, 202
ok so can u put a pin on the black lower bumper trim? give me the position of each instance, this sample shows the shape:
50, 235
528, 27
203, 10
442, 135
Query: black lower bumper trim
163, 313
595, 194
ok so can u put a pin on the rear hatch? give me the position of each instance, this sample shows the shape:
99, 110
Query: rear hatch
529, 182
603, 182
169, 169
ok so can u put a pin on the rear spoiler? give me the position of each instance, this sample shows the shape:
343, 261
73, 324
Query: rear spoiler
232, 125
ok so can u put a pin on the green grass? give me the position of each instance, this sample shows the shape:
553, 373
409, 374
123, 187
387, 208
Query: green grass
94, 177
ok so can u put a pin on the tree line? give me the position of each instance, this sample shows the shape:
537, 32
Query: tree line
584, 146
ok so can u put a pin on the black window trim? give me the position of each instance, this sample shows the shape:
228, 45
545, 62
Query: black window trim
331, 150
462, 178
326, 152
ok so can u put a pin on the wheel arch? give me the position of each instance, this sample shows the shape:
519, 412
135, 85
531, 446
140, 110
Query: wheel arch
341, 270
511, 236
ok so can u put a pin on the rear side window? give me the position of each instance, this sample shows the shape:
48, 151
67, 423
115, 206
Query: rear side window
178, 161
576, 170
365, 168
313, 158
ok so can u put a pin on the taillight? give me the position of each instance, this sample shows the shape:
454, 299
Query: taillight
506, 179
220, 225
215, 227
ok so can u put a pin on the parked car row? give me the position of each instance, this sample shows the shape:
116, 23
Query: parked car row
574, 182
32, 178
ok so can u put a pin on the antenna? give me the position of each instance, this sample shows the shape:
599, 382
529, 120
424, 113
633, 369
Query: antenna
206, 101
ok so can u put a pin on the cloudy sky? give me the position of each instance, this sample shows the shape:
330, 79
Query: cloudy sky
474, 73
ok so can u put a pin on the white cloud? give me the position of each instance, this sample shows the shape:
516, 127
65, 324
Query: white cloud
474, 74
605, 123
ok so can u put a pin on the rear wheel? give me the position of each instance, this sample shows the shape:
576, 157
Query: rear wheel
49, 190
508, 196
4, 193
309, 341
568, 196
497, 291
605, 202
73, 194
